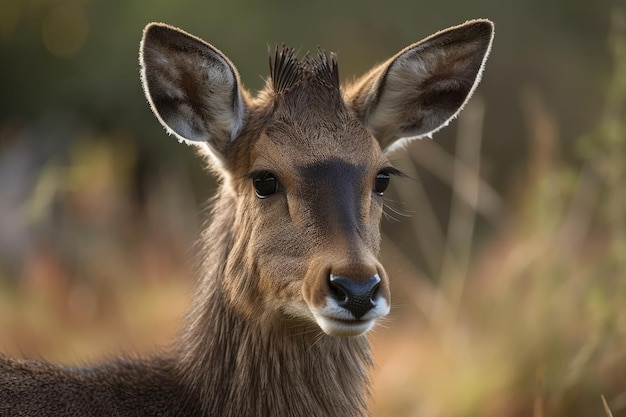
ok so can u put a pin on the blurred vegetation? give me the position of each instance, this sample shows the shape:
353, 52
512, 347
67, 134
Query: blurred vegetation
507, 248
533, 324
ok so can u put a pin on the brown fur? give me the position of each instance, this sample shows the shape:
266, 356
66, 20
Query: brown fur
265, 332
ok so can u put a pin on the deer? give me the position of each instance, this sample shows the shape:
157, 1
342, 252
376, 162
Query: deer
289, 281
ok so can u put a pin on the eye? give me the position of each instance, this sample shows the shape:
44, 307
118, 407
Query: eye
381, 182
265, 184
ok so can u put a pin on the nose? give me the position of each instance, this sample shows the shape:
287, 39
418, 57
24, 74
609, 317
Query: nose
355, 296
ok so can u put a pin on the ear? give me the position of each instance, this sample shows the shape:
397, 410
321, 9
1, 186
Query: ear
193, 89
424, 86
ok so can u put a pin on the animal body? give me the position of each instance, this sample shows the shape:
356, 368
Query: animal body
290, 280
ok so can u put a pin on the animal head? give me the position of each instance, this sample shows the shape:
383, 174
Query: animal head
304, 164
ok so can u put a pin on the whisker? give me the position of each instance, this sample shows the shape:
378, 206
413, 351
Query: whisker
317, 340
389, 217
398, 211
387, 208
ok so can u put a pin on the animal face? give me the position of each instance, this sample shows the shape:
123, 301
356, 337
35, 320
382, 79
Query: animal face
303, 163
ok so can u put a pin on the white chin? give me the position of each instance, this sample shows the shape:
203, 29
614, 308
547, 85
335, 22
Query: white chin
343, 328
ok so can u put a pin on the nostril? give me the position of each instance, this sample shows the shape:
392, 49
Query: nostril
337, 291
375, 292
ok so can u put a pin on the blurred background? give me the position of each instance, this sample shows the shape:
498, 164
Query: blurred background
506, 247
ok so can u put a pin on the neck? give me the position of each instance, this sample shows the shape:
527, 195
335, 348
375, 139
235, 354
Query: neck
238, 365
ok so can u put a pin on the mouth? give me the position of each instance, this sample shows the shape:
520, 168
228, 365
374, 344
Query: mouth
341, 327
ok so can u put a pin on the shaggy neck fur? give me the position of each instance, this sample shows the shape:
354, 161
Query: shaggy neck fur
237, 365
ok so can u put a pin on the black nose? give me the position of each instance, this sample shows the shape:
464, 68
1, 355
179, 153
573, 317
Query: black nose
355, 296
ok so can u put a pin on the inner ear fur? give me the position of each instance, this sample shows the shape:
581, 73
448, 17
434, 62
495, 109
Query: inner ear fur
420, 89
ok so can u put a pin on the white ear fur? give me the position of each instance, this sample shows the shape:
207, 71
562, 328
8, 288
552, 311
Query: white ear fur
192, 88
422, 88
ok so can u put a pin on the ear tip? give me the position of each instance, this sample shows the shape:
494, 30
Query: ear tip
480, 22
160, 25
152, 29
152, 26
158, 29
481, 25
478, 30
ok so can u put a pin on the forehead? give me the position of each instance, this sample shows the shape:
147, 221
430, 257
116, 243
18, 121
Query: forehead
308, 121
318, 137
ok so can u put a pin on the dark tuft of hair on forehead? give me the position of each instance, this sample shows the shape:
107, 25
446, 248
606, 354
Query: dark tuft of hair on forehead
287, 70
284, 68
326, 68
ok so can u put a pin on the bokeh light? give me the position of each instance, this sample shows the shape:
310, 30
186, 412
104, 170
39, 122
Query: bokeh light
65, 29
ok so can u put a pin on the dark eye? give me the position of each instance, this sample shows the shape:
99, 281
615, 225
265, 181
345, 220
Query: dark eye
265, 184
381, 182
